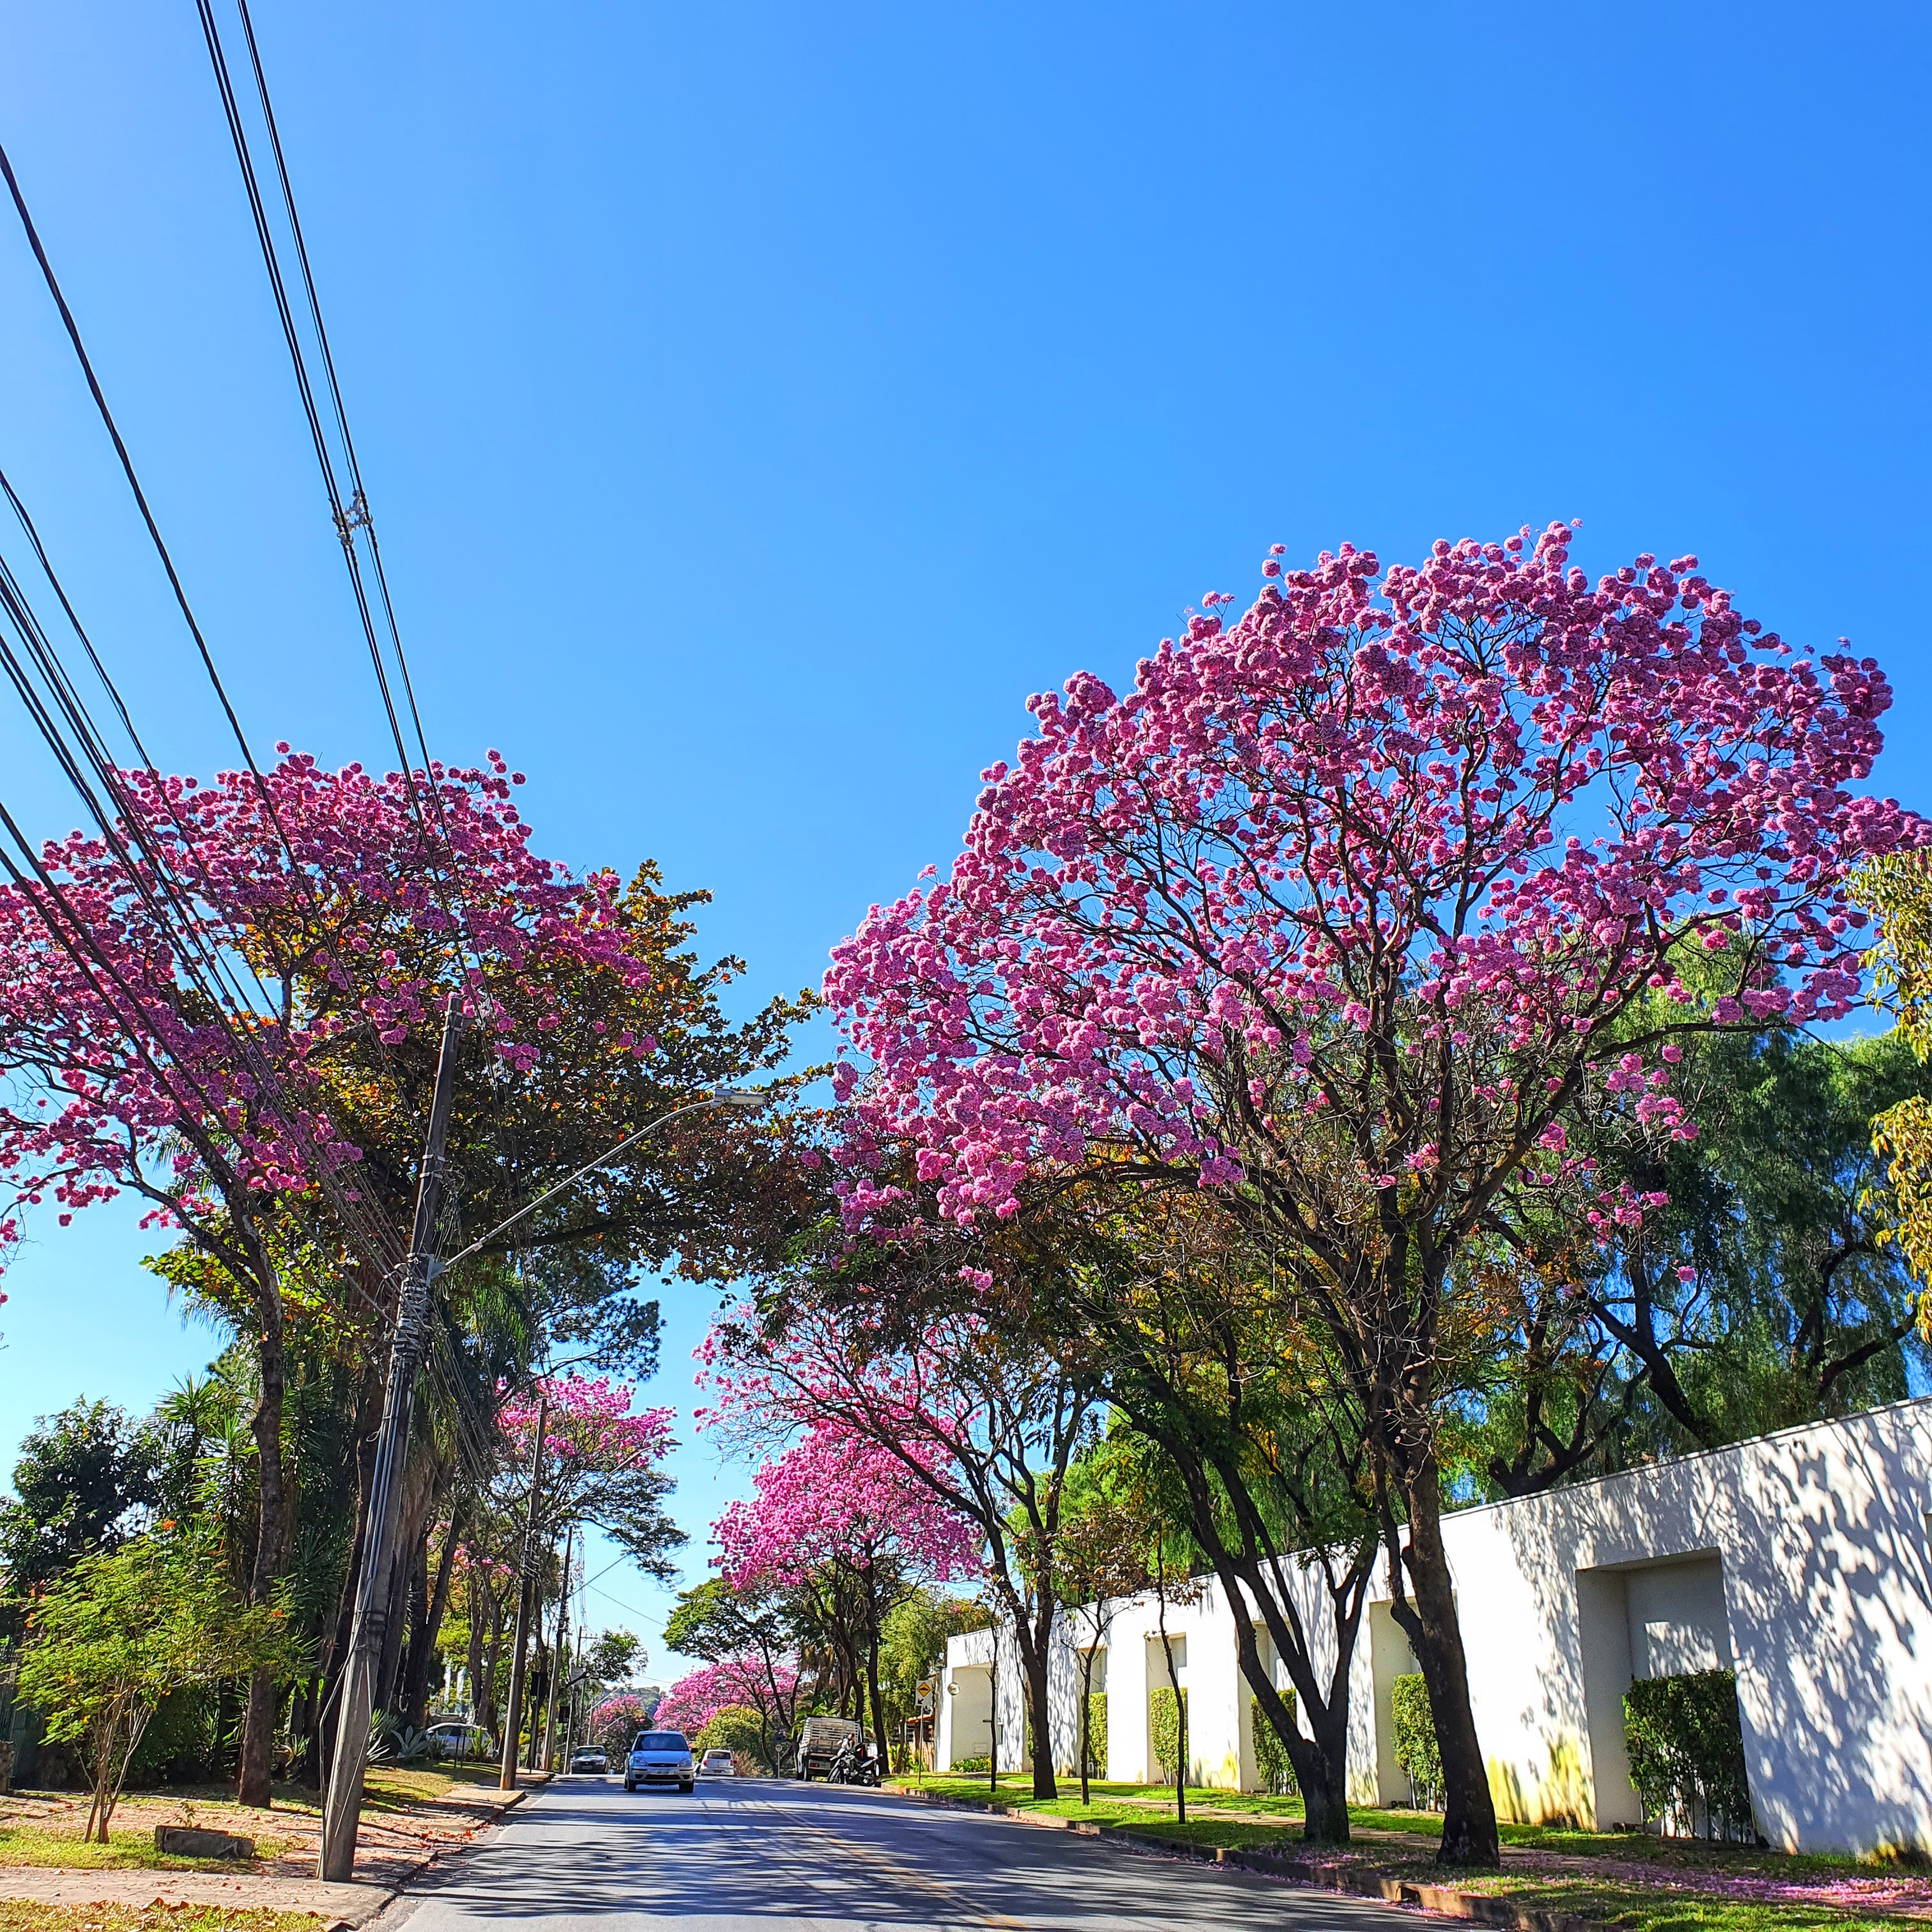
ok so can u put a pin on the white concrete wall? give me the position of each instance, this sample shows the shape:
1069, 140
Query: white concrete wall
1798, 1560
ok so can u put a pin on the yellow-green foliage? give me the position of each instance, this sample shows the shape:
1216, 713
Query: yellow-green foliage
1415, 1746
1164, 1723
1899, 890
1271, 1758
1096, 1734
735, 1728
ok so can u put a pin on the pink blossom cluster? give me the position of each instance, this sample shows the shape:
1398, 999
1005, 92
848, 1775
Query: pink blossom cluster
837, 1497
1475, 812
349, 915
617, 1716
588, 1426
691, 1703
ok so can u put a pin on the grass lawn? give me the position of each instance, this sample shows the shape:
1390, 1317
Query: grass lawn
27, 1915
128, 1849
42, 1829
1647, 1884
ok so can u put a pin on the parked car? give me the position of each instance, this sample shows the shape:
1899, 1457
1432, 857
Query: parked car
717, 1762
589, 1757
660, 1757
455, 1739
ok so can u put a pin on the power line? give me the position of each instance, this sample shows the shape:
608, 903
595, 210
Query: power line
349, 508
134, 485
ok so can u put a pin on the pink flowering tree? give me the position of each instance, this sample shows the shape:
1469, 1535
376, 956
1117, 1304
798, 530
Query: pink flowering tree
230, 1009
1350, 909
848, 1527
885, 1345
734, 1683
599, 1463
616, 1722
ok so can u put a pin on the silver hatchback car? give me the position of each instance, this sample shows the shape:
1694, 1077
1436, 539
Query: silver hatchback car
660, 1757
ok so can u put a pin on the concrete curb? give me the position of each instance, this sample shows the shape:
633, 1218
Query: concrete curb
1359, 1881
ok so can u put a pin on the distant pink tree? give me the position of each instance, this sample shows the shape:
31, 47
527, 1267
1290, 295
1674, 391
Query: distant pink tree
600, 1461
690, 1703
1350, 910
850, 1525
967, 1405
616, 1722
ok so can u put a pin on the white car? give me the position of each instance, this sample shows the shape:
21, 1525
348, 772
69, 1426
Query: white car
456, 1739
717, 1762
660, 1757
589, 1757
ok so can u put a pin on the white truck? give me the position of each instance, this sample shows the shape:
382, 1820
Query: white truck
818, 1742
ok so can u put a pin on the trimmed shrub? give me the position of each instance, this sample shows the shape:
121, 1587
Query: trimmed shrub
1271, 1759
1415, 1747
971, 1767
1164, 1722
1687, 1754
1096, 1734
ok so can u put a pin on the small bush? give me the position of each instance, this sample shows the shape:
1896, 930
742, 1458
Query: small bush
1415, 1747
1096, 1734
178, 1745
1165, 1724
1687, 1754
972, 1767
1271, 1759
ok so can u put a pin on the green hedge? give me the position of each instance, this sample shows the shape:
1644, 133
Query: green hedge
1686, 1753
972, 1767
1415, 1747
1271, 1759
1165, 1723
1096, 1734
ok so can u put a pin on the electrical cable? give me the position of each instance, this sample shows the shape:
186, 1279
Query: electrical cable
353, 517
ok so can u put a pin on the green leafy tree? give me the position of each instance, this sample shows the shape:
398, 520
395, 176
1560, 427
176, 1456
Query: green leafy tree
1765, 1292
82, 1476
123, 1629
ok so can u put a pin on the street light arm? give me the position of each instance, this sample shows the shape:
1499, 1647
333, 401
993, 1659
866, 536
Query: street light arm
732, 1097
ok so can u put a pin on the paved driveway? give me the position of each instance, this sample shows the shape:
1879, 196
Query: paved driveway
754, 1856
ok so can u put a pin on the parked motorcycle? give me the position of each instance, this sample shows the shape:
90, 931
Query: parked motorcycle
853, 1764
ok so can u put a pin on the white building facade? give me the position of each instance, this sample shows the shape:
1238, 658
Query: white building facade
1799, 1560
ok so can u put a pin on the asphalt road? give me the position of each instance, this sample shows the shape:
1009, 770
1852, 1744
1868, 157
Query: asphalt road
757, 1856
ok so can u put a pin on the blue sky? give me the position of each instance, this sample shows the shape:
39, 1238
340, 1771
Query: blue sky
758, 403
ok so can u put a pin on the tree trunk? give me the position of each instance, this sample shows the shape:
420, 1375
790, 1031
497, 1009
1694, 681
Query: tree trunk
258, 1724
1180, 1706
402, 1570
1087, 1714
474, 1660
1039, 1718
1469, 1837
487, 1714
1321, 1762
422, 1639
